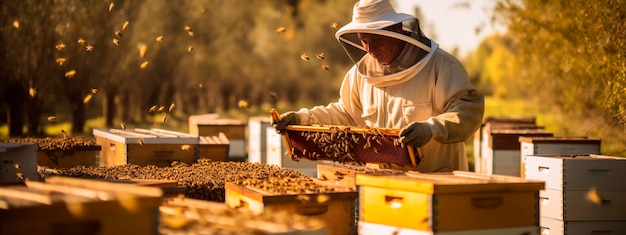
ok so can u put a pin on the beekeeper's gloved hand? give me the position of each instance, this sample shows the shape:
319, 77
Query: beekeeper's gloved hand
416, 134
288, 118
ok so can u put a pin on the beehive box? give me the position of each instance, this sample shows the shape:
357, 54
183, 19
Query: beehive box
445, 202
553, 226
277, 155
214, 147
78, 206
336, 208
501, 155
205, 217
145, 147
234, 129
78, 156
580, 188
257, 138
538, 146
366, 228
345, 175
501, 123
18, 161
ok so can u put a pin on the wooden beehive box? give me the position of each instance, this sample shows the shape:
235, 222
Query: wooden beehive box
18, 161
580, 188
446, 202
554, 226
553, 145
502, 153
145, 147
276, 152
206, 217
257, 138
214, 147
78, 206
336, 208
234, 129
345, 176
78, 156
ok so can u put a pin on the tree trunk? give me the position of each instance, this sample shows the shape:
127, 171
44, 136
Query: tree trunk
15, 113
33, 117
78, 116
109, 108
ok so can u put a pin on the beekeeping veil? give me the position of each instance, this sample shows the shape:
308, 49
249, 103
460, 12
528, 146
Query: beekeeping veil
372, 16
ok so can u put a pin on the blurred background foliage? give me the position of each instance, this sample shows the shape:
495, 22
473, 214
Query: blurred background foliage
563, 59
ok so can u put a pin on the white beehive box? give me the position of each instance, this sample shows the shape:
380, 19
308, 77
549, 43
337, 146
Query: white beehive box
557, 146
559, 227
145, 147
276, 150
366, 228
18, 161
502, 151
257, 138
501, 123
580, 188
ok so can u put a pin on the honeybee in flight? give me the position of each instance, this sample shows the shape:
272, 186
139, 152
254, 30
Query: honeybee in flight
159, 38
125, 25
144, 65
111, 7
116, 41
70, 74
87, 98
281, 30
304, 57
320, 56
61, 61
60, 46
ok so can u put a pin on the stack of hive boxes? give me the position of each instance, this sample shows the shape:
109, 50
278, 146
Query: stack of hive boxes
545, 146
500, 147
447, 203
583, 195
233, 129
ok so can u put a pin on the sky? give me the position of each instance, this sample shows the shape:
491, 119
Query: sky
453, 23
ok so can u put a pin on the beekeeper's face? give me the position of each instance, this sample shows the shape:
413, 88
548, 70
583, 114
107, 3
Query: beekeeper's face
382, 48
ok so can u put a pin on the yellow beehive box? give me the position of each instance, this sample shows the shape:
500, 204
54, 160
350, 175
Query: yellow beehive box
145, 147
64, 205
335, 209
449, 201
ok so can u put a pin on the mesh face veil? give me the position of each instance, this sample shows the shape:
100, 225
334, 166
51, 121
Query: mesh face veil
372, 17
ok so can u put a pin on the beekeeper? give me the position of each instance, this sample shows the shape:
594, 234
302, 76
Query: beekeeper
401, 79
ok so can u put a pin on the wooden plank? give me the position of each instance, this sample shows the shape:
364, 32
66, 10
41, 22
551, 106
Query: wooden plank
106, 186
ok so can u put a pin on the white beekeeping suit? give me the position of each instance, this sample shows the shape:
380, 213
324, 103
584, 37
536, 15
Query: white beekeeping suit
423, 86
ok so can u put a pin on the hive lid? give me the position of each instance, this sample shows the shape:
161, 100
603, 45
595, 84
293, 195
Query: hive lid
559, 139
448, 183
